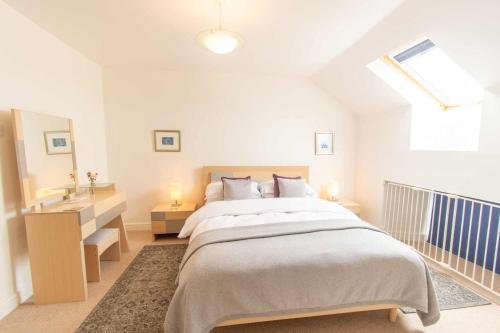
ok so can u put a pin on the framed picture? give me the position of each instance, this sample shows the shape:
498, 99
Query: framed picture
324, 143
57, 142
167, 140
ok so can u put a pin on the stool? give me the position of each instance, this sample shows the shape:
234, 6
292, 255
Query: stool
104, 244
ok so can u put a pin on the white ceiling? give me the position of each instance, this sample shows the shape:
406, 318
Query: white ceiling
467, 30
287, 37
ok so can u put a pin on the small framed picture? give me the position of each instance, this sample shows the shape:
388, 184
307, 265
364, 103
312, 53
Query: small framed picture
57, 142
167, 140
324, 143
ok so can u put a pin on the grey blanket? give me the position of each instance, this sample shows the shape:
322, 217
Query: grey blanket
294, 267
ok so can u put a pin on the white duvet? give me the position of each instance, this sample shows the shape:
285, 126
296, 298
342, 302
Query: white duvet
236, 213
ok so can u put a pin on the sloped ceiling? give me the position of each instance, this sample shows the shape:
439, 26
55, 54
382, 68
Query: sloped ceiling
330, 41
468, 31
285, 37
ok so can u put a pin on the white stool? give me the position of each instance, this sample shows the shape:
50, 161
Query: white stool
104, 244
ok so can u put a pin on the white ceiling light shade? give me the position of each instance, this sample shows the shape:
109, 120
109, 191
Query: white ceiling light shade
218, 40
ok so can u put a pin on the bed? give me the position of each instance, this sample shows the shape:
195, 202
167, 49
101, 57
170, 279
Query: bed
267, 259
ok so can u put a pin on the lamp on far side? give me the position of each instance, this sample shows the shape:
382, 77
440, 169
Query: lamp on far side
176, 194
333, 190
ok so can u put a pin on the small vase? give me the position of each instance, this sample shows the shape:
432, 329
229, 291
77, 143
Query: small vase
92, 192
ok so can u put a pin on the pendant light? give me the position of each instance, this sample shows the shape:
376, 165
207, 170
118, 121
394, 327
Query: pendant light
218, 40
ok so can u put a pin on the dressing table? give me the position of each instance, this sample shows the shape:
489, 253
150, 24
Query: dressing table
56, 226
55, 240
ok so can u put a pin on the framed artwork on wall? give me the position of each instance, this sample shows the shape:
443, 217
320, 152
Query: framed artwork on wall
324, 143
167, 140
57, 142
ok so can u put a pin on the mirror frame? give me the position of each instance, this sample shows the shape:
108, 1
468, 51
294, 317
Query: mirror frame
22, 167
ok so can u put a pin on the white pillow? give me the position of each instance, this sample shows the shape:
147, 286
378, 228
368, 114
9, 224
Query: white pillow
266, 189
215, 191
310, 192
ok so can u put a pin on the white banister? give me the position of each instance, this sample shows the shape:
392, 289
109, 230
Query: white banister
492, 286
428, 221
420, 219
468, 239
453, 223
438, 227
461, 234
431, 226
485, 257
414, 219
477, 241
445, 235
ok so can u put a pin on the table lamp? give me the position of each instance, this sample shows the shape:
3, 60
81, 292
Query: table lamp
333, 190
176, 194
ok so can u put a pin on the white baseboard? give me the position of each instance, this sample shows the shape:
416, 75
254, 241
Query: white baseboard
8, 305
138, 226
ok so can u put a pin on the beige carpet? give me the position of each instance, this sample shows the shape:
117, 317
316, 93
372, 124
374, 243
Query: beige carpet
67, 317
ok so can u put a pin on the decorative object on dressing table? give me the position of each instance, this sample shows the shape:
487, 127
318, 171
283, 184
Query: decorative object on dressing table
92, 176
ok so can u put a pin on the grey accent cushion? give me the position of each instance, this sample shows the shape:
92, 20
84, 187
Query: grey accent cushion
292, 188
237, 188
276, 186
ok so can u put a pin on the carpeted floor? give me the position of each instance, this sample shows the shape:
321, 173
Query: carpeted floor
138, 301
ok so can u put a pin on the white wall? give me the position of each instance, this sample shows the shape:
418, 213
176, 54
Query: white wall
384, 154
224, 120
41, 74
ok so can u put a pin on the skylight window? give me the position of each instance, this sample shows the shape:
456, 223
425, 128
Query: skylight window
431, 67
446, 101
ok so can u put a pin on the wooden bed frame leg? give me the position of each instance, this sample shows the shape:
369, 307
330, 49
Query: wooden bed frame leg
393, 315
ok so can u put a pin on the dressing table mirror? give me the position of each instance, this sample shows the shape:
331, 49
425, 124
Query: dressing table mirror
46, 157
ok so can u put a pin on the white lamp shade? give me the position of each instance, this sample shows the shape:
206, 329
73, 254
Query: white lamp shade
175, 191
219, 41
333, 189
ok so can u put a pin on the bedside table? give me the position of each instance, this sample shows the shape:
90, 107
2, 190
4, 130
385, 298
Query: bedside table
351, 205
167, 219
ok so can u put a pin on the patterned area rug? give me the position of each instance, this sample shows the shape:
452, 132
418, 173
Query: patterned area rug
139, 299
452, 295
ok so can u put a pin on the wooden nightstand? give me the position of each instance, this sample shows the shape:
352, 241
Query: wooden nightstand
166, 219
351, 205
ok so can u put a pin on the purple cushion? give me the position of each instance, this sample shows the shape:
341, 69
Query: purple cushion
276, 185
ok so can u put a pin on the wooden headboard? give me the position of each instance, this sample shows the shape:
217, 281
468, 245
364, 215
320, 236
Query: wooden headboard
257, 173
